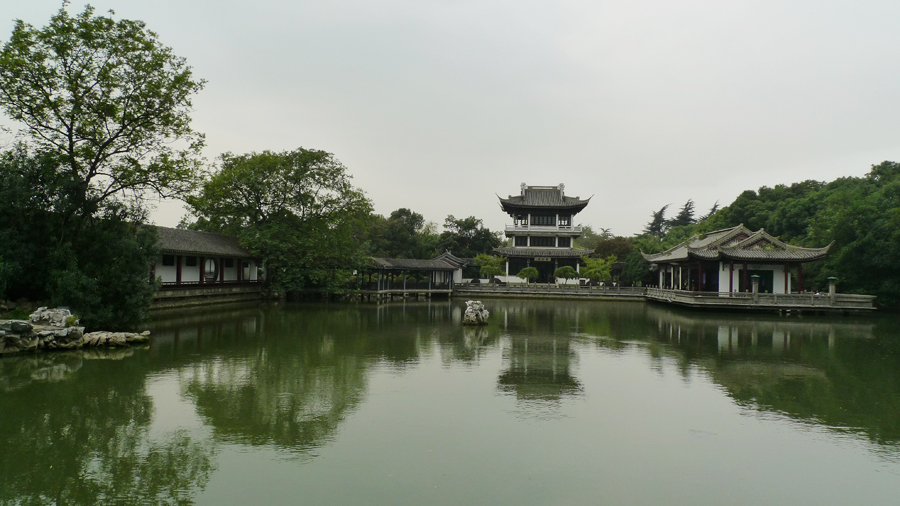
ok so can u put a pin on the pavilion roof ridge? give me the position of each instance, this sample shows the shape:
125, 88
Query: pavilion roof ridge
719, 237
721, 244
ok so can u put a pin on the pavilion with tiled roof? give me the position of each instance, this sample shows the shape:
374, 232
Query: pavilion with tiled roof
727, 259
190, 257
542, 232
441, 271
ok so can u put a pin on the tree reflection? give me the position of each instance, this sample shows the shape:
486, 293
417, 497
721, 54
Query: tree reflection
78, 433
819, 370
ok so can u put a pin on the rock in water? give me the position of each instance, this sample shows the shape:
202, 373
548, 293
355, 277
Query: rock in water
52, 317
475, 313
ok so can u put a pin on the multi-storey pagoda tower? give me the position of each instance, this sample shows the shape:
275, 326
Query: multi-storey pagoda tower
542, 232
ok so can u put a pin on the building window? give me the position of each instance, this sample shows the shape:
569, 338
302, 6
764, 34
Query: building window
564, 242
521, 240
190, 261
565, 220
543, 241
168, 260
543, 219
521, 219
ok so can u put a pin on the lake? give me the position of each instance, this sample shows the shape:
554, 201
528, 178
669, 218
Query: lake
554, 402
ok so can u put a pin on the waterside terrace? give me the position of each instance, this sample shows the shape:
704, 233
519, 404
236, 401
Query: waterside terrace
753, 301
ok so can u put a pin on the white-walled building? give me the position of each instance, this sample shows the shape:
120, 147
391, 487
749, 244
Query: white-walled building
188, 257
543, 232
726, 261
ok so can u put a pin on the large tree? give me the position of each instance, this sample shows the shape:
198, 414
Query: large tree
404, 234
101, 273
467, 237
296, 209
110, 100
103, 110
658, 224
685, 216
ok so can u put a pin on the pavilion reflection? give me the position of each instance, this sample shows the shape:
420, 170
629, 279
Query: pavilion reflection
831, 372
537, 355
539, 368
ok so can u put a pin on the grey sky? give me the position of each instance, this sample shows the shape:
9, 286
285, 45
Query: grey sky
438, 105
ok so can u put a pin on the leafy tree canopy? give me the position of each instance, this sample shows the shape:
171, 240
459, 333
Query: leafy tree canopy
467, 237
598, 269
658, 225
490, 265
296, 209
404, 234
684, 217
590, 239
620, 247
109, 100
565, 272
101, 273
529, 274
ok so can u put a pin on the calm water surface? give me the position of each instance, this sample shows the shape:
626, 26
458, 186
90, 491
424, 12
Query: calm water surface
553, 403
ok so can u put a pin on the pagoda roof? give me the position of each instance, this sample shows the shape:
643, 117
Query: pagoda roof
541, 252
548, 197
737, 243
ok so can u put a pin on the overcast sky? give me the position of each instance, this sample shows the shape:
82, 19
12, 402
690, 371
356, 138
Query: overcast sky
439, 105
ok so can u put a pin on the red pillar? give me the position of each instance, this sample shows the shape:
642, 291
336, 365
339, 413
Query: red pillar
745, 276
221, 270
202, 268
178, 269
787, 275
731, 276
800, 278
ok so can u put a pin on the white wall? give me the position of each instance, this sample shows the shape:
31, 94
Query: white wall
167, 273
190, 274
778, 276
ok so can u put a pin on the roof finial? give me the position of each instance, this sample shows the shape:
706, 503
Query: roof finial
562, 190
522, 187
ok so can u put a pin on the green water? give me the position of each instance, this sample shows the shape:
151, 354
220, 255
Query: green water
553, 403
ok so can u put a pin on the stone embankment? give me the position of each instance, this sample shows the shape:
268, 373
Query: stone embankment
57, 329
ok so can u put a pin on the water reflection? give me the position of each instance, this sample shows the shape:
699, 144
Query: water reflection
835, 372
271, 376
76, 431
79, 427
538, 358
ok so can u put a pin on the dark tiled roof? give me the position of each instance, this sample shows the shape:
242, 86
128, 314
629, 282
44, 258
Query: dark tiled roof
737, 243
539, 252
174, 240
542, 196
413, 264
453, 259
